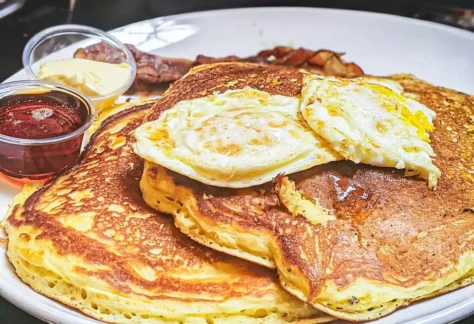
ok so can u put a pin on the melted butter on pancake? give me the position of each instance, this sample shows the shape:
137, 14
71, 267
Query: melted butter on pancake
239, 138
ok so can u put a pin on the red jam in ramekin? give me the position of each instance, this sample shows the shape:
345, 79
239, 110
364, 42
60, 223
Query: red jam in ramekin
42, 127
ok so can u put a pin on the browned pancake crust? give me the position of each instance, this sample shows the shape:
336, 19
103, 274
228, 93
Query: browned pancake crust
111, 178
118, 183
389, 228
204, 80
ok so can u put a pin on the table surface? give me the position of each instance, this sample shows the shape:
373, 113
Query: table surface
15, 30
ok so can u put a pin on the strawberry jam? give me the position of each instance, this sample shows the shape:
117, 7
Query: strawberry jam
41, 132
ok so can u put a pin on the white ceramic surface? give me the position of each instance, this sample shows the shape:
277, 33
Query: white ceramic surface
380, 44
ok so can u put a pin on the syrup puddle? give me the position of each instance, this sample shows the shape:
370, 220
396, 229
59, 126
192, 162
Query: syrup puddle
342, 194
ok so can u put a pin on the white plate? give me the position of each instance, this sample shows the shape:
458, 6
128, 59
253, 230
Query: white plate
380, 44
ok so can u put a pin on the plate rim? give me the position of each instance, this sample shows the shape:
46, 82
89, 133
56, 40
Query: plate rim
430, 24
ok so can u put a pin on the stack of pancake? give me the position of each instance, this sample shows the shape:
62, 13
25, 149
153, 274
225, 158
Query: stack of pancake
349, 239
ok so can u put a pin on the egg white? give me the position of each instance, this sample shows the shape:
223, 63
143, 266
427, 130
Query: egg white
370, 121
235, 139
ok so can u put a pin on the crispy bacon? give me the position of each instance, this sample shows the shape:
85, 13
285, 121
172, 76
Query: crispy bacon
101, 52
153, 70
326, 61
323, 61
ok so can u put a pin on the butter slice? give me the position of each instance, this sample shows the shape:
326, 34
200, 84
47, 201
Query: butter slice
90, 77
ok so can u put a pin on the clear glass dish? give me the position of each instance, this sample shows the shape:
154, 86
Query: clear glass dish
61, 42
42, 127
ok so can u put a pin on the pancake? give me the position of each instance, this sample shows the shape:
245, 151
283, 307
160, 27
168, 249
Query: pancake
393, 239
88, 240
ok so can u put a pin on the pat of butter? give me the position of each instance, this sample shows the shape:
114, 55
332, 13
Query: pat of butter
90, 77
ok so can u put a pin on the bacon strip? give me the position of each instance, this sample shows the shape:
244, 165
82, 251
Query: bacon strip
154, 70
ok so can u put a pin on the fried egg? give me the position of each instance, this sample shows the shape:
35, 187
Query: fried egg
239, 138
370, 121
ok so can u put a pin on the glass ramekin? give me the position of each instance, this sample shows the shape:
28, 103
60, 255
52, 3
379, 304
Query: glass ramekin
37, 159
61, 42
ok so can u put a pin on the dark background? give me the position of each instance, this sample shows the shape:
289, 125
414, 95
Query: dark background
16, 29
